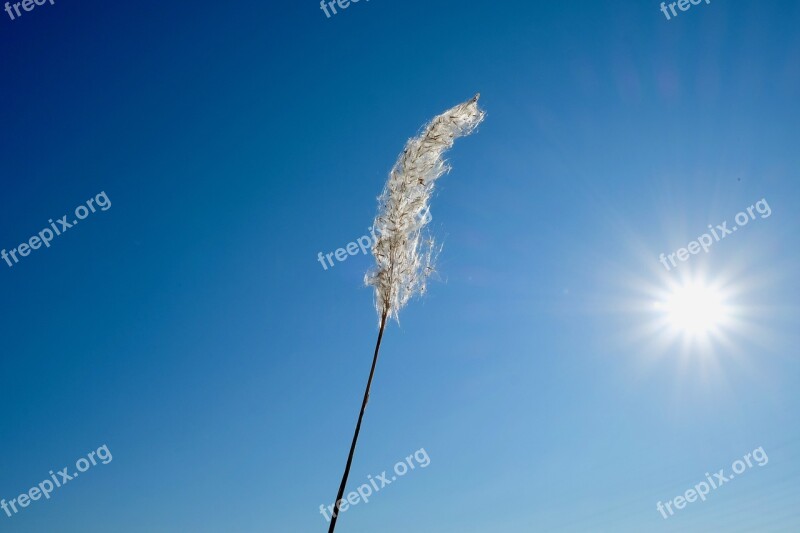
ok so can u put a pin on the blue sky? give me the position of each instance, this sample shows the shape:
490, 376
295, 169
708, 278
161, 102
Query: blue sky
190, 328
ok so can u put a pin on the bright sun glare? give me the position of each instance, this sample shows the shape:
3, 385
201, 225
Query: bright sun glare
694, 308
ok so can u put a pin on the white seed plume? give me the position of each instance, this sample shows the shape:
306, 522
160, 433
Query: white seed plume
405, 256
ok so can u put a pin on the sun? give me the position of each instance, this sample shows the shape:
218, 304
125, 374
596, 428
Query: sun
694, 308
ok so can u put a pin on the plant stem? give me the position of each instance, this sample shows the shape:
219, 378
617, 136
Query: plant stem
358, 427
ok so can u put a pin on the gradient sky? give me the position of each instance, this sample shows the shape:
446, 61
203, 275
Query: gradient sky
191, 329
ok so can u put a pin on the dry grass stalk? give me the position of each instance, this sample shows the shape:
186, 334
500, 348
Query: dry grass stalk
404, 255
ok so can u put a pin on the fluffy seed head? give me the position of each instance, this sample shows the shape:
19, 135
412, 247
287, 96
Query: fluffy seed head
404, 255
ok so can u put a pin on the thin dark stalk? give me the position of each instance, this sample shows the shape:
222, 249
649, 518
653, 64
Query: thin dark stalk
358, 428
